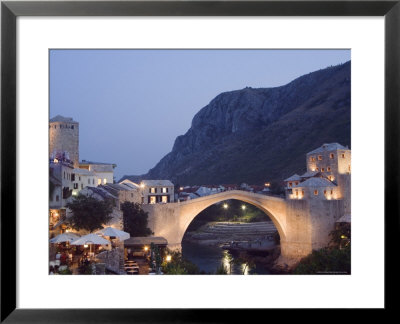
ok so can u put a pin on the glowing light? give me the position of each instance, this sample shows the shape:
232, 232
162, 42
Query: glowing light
226, 206
146, 248
181, 188
168, 258
142, 185
243, 207
343, 236
267, 184
55, 161
85, 245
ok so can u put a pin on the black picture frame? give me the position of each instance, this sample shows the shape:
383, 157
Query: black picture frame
10, 10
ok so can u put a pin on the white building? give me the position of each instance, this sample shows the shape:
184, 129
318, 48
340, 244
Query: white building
157, 191
83, 178
103, 171
328, 175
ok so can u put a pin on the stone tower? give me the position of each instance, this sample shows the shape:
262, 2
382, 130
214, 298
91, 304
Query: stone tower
64, 138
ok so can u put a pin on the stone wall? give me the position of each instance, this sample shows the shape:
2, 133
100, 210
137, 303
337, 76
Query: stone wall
64, 138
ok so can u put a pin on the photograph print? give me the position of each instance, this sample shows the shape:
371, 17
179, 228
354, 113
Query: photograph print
199, 162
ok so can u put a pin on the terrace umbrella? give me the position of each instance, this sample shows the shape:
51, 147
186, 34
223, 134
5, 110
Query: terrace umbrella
110, 231
64, 237
90, 239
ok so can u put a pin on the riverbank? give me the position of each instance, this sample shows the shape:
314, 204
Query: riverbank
217, 233
253, 243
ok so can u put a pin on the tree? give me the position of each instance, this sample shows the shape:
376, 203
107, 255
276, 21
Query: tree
135, 219
88, 213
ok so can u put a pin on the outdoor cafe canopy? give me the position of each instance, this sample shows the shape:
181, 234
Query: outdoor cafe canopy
64, 237
90, 239
113, 232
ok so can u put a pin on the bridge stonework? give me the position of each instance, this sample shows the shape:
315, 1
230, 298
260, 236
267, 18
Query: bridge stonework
303, 225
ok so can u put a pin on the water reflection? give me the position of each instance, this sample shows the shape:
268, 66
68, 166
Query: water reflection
210, 258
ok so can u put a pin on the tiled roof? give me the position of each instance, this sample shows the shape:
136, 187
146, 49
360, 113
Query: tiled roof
294, 177
60, 118
309, 174
157, 183
316, 182
328, 147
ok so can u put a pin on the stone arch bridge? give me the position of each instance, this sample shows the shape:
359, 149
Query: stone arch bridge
303, 225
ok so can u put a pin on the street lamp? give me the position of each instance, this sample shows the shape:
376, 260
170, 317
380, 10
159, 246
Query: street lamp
243, 207
168, 258
225, 206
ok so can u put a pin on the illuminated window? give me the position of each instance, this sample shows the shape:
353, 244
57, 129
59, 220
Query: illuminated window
312, 158
328, 169
104, 181
152, 199
316, 192
332, 156
164, 199
319, 157
164, 190
322, 169
99, 182
297, 193
316, 169
302, 192
152, 190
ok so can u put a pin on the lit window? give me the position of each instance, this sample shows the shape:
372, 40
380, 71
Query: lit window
328, 169
332, 156
316, 192
99, 182
319, 157
302, 192
152, 190
164, 199
297, 193
316, 169
104, 181
312, 159
164, 190
152, 199
322, 169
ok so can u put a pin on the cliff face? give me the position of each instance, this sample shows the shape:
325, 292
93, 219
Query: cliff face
257, 135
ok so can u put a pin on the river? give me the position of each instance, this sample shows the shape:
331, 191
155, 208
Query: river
209, 258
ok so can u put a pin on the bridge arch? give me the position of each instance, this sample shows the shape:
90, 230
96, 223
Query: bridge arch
274, 207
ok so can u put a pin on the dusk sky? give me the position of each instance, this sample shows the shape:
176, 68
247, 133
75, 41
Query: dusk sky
132, 104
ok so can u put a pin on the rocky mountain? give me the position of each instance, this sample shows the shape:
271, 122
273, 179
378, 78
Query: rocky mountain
257, 135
